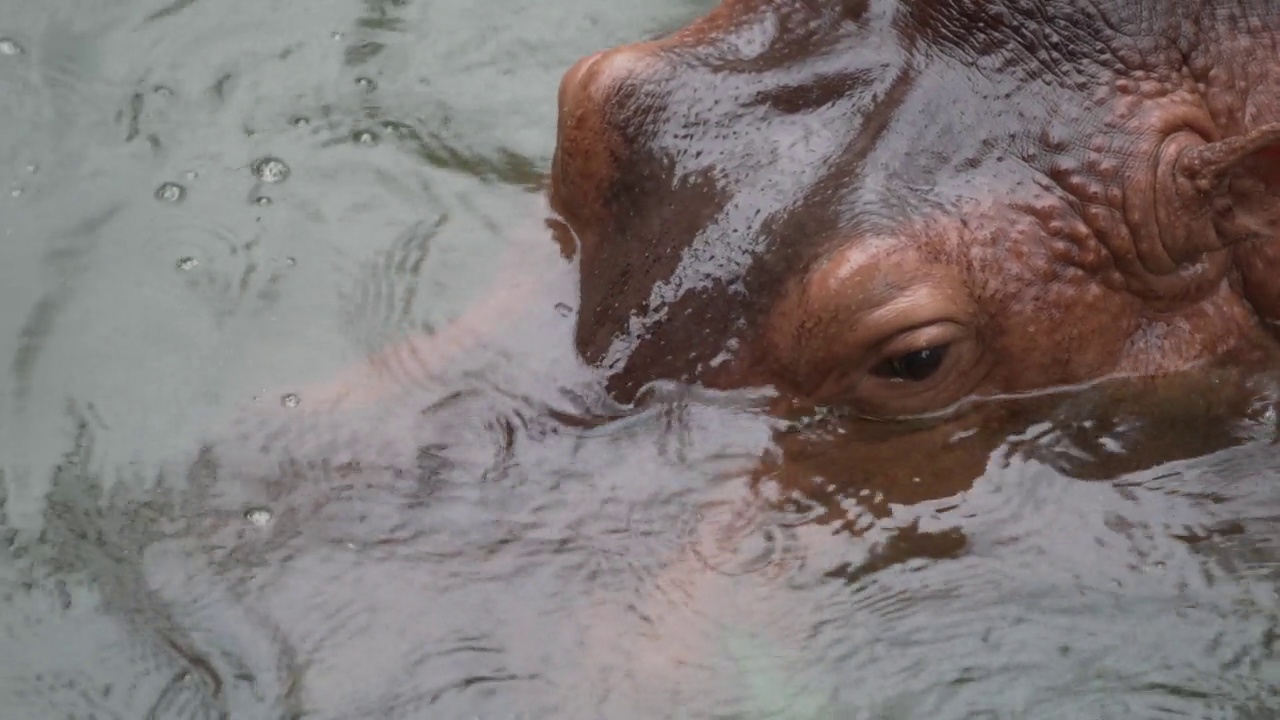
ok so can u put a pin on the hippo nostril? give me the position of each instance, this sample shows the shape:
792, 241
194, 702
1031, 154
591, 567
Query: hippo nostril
572, 83
591, 79
592, 133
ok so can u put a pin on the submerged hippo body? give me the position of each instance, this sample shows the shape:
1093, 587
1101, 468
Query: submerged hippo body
893, 205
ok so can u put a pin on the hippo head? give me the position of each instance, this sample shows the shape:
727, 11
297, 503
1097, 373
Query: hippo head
893, 205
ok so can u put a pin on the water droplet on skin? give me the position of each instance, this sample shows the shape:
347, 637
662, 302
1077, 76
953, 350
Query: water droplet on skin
291, 400
258, 516
187, 263
262, 201
10, 47
364, 137
170, 192
366, 84
270, 170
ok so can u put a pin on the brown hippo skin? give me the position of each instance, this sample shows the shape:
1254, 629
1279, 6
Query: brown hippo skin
893, 205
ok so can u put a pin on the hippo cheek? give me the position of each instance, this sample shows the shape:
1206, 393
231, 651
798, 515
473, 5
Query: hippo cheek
1258, 259
1109, 430
879, 465
1258, 263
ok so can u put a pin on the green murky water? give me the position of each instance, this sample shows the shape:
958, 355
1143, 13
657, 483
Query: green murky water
232, 485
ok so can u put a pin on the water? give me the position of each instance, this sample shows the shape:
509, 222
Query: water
233, 484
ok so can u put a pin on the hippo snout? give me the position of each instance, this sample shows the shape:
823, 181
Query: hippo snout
634, 210
581, 164
592, 134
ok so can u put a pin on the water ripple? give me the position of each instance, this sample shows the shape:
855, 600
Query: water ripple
381, 305
219, 265
736, 538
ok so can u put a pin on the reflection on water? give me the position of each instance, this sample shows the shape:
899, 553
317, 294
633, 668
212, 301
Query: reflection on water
235, 482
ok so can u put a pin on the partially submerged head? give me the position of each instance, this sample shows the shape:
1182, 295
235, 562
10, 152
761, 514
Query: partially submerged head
894, 206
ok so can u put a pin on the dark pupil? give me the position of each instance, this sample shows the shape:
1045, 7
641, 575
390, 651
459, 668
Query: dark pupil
915, 366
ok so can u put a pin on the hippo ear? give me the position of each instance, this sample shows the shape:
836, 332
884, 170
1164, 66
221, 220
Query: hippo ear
1232, 187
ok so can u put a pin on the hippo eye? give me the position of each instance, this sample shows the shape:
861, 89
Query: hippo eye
913, 366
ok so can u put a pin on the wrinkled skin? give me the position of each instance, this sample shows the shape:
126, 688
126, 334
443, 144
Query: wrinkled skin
892, 206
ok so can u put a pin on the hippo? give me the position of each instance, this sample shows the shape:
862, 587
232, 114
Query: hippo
892, 207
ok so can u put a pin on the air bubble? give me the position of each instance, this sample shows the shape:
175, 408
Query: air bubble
258, 516
8, 46
270, 170
364, 137
191, 175
300, 121
336, 36
291, 400
187, 263
367, 84
163, 91
564, 309
16, 192
262, 201
170, 192
33, 168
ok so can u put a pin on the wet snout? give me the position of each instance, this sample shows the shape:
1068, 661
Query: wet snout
614, 186
590, 137
616, 183
647, 137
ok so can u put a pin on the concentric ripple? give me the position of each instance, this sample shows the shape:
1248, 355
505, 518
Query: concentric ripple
222, 266
738, 538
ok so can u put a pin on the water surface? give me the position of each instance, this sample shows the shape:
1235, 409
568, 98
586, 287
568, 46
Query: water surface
233, 485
